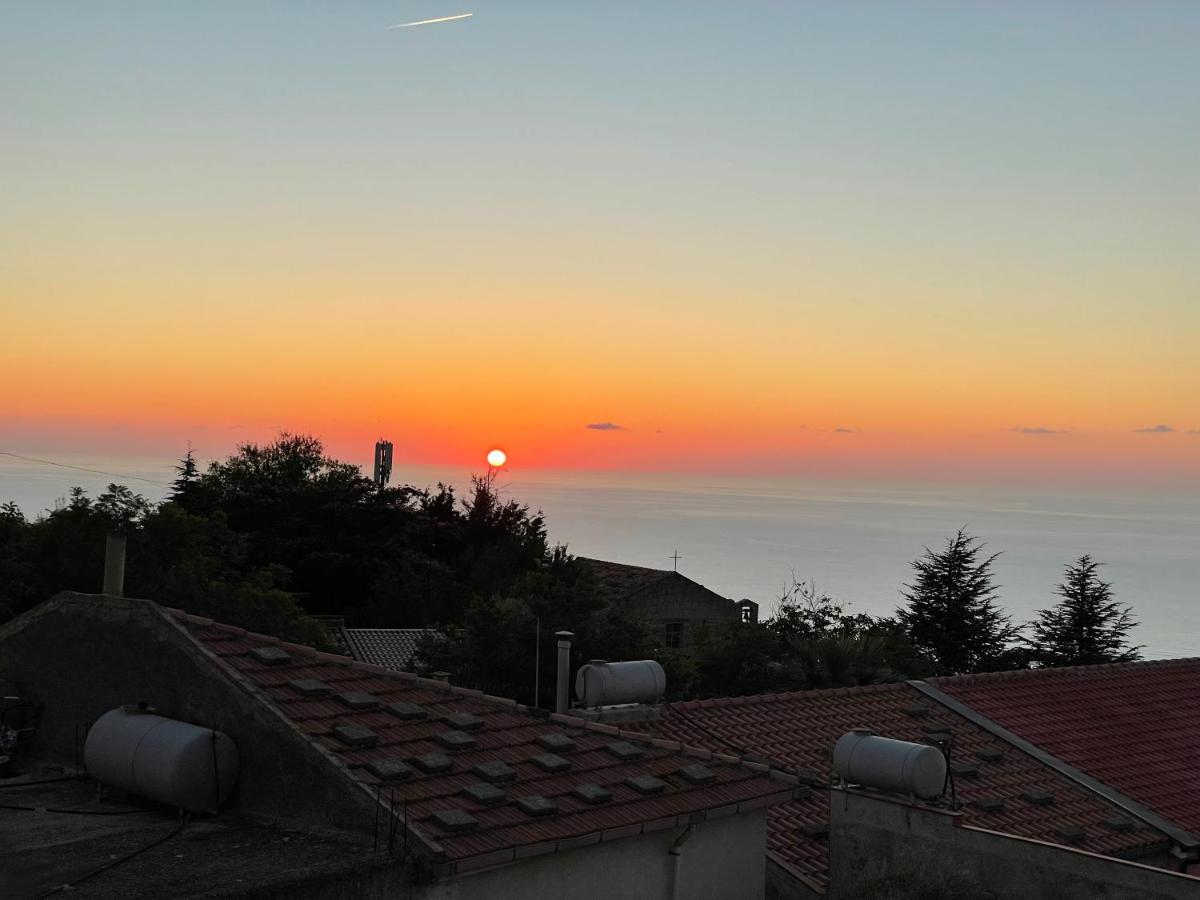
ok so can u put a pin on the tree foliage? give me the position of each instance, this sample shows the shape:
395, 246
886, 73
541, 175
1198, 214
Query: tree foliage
1087, 625
951, 615
810, 642
279, 531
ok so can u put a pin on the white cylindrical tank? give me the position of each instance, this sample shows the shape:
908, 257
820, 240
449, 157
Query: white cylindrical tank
901, 767
182, 765
601, 683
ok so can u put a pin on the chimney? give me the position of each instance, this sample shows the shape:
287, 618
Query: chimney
564, 670
114, 565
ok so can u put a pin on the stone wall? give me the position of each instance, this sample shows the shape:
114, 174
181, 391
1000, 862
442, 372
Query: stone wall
882, 847
677, 599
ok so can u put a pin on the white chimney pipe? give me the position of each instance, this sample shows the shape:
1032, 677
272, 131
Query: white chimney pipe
114, 565
564, 670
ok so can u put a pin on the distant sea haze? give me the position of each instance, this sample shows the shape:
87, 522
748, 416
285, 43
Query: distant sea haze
745, 537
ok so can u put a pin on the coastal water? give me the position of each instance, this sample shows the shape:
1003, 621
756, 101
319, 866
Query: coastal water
745, 537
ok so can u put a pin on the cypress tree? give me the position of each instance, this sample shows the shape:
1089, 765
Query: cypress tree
1087, 626
951, 616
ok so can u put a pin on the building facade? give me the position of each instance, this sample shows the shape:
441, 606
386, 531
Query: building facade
674, 604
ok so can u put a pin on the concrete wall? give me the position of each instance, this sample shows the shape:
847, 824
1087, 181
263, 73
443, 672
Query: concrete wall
82, 655
885, 848
722, 859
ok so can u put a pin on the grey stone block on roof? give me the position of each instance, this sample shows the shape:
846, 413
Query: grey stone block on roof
591, 793
310, 687
536, 806
407, 712
556, 741
357, 699
463, 721
624, 750
1072, 834
646, 784
551, 762
456, 740
990, 754
390, 769
484, 793
271, 655
697, 774
988, 804
495, 771
355, 735
1038, 798
454, 820
433, 763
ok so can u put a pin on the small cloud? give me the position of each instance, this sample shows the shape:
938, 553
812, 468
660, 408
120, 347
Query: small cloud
843, 431
1038, 430
605, 426
1155, 429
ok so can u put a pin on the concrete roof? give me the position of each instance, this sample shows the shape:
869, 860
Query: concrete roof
59, 832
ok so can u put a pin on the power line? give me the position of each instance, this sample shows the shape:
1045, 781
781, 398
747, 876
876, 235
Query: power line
50, 462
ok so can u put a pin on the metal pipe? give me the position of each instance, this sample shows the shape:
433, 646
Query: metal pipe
114, 565
676, 853
537, 659
562, 696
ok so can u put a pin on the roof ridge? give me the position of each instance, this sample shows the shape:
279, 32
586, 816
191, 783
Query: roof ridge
783, 696
1060, 670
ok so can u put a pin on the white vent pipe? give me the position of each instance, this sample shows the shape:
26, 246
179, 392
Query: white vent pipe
563, 684
114, 565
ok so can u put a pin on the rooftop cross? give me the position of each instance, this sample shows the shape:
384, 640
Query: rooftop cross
675, 556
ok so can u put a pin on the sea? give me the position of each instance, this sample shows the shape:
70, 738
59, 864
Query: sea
855, 540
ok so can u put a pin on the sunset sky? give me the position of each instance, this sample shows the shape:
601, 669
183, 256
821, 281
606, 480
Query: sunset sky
931, 238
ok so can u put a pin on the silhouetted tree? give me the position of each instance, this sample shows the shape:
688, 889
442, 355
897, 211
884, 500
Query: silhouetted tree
120, 510
187, 473
829, 647
951, 615
1087, 626
810, 642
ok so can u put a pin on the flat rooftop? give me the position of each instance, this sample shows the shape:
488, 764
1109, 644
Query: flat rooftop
66, 831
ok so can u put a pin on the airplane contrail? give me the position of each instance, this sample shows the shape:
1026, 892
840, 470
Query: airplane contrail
430, 21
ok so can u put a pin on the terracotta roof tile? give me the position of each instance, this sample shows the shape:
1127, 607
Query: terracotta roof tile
797, 731
505, 733
1133, 726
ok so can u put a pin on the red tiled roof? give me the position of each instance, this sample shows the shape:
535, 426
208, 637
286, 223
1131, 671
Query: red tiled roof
798, 730
506, 732
1133, 726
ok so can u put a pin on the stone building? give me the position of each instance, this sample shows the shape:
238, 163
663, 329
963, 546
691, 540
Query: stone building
671, 602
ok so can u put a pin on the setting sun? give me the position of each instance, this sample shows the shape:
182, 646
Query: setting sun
496, 458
